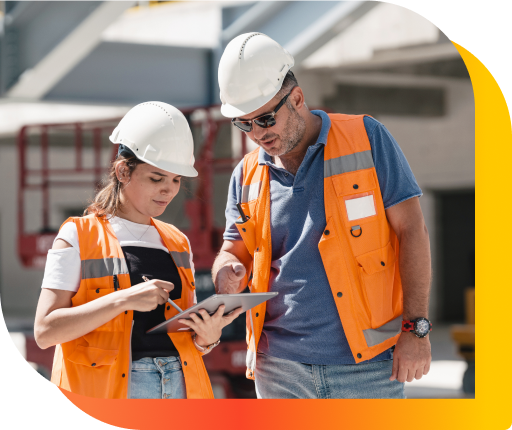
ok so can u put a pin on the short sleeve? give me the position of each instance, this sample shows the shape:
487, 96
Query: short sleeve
234, 193
63, 266
62, 270
396, 180
69, 233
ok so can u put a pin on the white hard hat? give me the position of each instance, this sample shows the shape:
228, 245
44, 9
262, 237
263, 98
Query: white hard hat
251, 72
158, 134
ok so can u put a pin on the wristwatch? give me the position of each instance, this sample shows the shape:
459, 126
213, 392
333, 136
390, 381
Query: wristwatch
420, 326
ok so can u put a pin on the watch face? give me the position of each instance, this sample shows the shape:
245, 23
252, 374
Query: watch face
422, 326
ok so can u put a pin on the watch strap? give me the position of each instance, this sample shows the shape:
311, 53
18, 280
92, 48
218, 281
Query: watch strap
408, 325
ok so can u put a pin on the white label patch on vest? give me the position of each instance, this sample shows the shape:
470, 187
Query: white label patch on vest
361, 207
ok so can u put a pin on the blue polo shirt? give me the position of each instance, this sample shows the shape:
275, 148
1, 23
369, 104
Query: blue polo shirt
302, 323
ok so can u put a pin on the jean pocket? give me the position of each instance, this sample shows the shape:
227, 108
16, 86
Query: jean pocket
144, 365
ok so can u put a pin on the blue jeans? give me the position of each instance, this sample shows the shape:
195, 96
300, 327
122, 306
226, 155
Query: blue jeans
283, 379
157, 378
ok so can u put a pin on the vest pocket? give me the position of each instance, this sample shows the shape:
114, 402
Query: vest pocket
93, 370
355, 182
377, 272
361, 210
116, 324
246, 230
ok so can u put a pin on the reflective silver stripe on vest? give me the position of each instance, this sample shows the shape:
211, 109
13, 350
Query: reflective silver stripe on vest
250, 359
348, 163
182, 259
374, 336
98, 268
250, 192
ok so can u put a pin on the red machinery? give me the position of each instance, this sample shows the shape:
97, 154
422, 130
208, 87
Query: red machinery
226, 363
205, 238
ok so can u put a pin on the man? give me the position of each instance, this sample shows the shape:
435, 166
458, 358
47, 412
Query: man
334, 226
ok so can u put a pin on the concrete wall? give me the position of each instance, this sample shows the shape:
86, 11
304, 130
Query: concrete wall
19, 287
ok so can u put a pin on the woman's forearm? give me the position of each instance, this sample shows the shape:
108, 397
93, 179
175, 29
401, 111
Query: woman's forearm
69, 323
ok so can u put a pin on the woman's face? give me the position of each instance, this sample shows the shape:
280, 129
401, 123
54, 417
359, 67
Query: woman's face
148, 191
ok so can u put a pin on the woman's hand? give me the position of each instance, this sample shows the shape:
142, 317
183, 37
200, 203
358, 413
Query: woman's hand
148, 295
209, 328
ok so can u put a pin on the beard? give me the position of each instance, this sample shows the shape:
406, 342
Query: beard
292, 135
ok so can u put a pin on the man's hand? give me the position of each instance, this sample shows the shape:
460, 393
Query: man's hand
411, 358
229, 278
230, 267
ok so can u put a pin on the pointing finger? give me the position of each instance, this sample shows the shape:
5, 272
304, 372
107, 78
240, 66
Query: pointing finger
238, 269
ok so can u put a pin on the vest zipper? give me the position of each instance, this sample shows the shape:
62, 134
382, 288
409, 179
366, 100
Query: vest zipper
116, 283
128, 394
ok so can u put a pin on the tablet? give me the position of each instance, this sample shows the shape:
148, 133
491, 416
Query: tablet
211, 304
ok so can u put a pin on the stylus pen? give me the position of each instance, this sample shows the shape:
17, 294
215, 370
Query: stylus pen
240, 210
169, 300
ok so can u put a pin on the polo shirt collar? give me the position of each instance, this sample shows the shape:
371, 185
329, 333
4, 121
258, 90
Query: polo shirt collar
264, 158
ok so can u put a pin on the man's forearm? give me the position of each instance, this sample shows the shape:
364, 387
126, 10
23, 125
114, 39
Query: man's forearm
415, 271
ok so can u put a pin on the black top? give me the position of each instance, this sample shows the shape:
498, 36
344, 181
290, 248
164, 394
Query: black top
154, 264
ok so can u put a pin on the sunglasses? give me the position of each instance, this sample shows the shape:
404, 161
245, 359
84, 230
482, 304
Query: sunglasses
266, 120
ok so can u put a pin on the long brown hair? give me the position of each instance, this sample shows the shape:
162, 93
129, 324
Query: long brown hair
108, 199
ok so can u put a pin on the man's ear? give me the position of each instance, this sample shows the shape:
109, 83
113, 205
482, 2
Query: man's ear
297, 98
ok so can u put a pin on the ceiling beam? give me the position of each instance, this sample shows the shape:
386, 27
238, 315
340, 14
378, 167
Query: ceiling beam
300, 27
34, 83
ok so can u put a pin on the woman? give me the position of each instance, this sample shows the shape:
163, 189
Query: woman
110, 273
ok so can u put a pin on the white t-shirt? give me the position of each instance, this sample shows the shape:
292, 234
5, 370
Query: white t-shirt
63, 266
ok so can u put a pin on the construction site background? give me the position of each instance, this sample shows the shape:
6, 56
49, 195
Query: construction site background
83, 65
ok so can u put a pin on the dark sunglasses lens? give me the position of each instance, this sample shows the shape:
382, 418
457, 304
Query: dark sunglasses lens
265, 121
243, 125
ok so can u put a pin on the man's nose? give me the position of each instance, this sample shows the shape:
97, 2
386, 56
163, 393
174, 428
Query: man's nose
258, 132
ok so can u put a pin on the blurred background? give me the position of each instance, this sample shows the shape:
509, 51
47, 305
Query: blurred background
70, 70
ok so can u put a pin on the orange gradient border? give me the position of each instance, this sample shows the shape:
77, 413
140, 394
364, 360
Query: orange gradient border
491, 407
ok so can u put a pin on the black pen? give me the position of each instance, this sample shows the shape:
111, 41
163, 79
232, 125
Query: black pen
240, 210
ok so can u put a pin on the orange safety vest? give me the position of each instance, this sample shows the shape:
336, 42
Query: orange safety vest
360, 256
98, 364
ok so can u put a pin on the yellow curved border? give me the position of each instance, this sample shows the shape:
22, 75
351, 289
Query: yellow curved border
491, 407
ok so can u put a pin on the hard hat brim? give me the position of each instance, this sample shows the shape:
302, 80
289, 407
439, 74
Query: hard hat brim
247, 108
177, 169
230, 111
